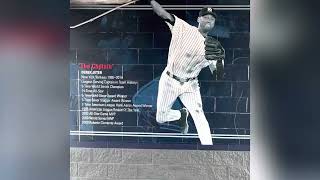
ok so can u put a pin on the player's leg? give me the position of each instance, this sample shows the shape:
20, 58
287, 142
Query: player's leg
192, 101
167, 94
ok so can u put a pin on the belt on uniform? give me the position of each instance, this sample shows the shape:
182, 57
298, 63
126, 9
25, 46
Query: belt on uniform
181, 80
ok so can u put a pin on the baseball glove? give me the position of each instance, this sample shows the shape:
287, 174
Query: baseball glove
213, 49
215, 52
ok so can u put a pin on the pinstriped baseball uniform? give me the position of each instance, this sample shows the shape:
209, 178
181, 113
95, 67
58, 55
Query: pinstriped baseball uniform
185, 60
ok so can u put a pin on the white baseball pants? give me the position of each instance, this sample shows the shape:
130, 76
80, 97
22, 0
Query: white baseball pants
189, 93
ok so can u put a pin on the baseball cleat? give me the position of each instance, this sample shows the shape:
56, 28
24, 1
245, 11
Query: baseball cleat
183, 121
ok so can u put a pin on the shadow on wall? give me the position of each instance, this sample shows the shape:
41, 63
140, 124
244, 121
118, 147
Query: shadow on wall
116, 23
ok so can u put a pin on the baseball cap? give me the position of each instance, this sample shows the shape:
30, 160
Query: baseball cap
207, 10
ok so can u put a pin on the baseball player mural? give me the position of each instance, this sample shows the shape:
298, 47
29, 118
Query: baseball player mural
190, 50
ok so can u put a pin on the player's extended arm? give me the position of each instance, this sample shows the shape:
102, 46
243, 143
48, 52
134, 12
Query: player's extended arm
160, 11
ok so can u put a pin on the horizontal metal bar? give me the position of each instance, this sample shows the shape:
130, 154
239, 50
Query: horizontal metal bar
130, 135
165, 6
114, 132
136, 134
168, 7
178, 9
